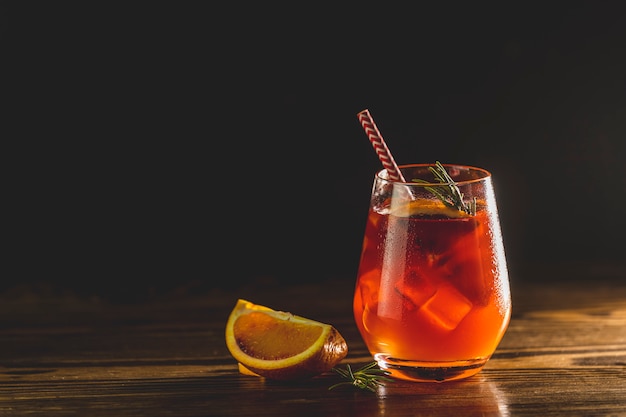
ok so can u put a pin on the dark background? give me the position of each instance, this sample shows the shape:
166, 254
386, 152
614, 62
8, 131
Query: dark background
189, 145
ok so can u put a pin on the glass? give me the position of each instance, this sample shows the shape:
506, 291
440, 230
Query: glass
432, 298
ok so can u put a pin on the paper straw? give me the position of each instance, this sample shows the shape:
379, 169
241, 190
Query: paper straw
380, 146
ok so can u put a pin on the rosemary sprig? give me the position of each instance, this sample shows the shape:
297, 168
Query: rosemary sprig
449, 192
367, 377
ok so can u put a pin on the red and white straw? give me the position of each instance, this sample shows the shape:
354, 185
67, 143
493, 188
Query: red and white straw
380, 146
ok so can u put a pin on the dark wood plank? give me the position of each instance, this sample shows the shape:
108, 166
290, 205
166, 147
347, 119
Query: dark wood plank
564, 354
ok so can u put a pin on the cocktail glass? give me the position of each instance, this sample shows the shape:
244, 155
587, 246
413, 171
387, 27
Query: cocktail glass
432, 298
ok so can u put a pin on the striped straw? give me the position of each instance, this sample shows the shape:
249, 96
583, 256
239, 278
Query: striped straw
380, 146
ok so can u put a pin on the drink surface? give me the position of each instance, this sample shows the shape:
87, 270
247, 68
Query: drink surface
431, 286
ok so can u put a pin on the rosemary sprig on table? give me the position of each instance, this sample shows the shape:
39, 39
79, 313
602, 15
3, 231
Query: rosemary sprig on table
449, 192
367, 377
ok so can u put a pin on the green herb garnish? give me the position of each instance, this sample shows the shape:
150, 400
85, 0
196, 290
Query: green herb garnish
368, 377
449, 192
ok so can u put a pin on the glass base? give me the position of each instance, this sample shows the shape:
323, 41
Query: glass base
423, 371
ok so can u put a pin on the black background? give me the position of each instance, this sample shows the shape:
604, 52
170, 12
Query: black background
187, 144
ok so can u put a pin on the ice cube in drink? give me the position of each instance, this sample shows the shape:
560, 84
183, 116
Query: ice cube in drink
446, 308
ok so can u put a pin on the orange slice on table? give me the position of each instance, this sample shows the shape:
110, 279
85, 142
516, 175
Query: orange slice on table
280, 345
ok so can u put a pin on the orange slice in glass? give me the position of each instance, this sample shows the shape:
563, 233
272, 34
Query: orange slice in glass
280, 345
426, 207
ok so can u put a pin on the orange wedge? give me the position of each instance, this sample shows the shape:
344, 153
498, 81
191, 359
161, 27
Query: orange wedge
280, 345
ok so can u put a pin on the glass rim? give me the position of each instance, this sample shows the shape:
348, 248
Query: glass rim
484, 174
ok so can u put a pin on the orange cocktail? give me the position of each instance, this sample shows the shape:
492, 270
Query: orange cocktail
432, 297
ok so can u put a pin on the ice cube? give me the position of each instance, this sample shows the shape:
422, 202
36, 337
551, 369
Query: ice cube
416, 289
447, 307
369, 318
467, 269
368, 285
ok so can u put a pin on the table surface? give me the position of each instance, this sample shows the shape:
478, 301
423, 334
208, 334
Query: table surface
564, 354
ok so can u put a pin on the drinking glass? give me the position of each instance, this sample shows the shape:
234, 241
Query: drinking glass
432, 298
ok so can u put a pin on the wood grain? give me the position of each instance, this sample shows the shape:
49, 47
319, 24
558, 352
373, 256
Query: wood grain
564, 354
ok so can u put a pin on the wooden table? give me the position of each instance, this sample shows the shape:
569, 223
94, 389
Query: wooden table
564, 354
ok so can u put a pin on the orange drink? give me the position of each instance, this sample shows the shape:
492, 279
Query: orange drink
432, 298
